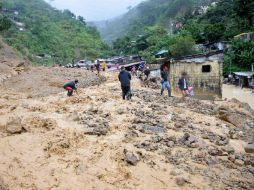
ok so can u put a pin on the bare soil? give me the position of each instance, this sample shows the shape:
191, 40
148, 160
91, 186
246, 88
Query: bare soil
98, 141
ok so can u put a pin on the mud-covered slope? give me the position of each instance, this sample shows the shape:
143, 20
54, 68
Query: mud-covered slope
98, 141
10, 63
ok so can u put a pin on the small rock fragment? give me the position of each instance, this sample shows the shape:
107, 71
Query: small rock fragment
130, 158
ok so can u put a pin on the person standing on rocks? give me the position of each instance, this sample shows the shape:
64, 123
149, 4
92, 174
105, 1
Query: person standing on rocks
183, 84
125, 78
147, 73
165, 83
70, 87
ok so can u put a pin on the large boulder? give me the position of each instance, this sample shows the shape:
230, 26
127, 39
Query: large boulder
14, 126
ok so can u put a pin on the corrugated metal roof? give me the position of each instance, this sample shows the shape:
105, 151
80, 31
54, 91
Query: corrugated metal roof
244, 74
162, 52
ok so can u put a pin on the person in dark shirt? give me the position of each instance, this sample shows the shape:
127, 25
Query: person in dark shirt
165, 83
98, 67
125, 78
70, 86
183, 84
147, 73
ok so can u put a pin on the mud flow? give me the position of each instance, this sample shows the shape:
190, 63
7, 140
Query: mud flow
95, 140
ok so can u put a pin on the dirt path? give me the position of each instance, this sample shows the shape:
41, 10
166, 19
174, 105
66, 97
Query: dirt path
98, 141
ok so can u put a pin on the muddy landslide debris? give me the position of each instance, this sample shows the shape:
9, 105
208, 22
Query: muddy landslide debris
99, 140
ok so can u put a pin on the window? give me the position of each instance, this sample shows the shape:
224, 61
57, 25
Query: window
206, 68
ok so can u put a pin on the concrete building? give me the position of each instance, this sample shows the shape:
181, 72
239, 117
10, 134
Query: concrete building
204, 72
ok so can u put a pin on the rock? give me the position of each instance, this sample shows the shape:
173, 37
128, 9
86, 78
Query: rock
231, 158
201, 144
184, 138
170, 144
14, 125
205, 136
239, 162
236, 119
130, 158
192, 139
249, 148
101, 130
174, 173
147, 129
181, 181
213, 151
229, 149
156, 139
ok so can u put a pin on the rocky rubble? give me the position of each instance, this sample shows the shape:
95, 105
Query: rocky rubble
93, 125
153, 82
99, 140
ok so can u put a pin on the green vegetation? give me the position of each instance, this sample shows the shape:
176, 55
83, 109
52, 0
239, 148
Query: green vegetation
5, 23
153, 26
240, 56
51, 32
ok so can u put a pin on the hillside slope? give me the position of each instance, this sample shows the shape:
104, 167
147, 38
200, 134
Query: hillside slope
148, 13
39, 29
10, 63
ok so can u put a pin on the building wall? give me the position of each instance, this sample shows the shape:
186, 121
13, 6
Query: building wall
201, 81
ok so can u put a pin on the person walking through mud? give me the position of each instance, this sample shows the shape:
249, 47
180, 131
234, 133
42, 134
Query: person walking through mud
147, 73
165, 83
104, 65
183, 84
98, 67
125, 78
134, 71
70, 87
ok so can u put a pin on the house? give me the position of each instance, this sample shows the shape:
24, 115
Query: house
205, 71
215, 46
161, 54
244, 79
245, 36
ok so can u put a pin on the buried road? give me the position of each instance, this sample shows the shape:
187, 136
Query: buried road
98, 141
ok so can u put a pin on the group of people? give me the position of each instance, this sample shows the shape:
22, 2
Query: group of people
98, 67
182, 83
125, 78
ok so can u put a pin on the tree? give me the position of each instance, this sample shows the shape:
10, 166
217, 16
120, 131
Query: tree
5, 23
82, 20
239, 57
214, 32
182, 45
245, 9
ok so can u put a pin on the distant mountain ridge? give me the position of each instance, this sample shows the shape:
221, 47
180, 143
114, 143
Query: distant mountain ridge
147, 13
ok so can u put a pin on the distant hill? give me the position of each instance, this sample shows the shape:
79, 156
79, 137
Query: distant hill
47, 35
148, 13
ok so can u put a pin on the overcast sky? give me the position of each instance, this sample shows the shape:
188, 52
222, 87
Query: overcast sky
94, 10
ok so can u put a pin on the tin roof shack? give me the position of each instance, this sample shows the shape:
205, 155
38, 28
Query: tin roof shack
204, 73
244, 79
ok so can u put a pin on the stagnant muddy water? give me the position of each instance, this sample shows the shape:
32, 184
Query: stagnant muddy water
243, 95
